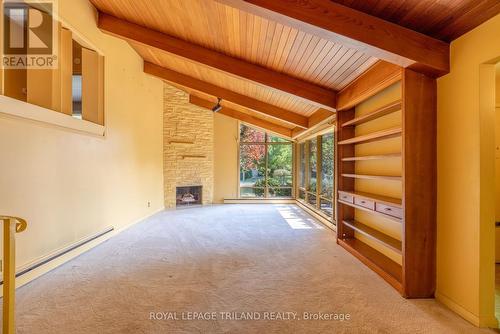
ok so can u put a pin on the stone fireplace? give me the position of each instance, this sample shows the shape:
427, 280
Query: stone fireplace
188, 196
188, 150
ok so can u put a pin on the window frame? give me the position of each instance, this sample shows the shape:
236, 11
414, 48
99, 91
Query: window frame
266, 145
319, 170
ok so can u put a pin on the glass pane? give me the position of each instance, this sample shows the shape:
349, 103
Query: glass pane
252, 165
252, 192
327, 165
302, 194
327, 207
302, 165
280, 192
312, 165
275, 139
311, 199
279, 165
251, 135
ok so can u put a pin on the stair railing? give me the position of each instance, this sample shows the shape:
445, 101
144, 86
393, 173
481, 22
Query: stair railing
11, 226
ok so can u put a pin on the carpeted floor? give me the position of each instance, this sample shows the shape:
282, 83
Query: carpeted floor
272, 261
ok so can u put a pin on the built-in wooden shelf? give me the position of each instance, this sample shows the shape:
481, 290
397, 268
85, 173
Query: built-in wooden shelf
378, 262
373, 157
375, 235
374, 136
181, 141
373, 177
193, 156
359, 207
385, 110
375, 197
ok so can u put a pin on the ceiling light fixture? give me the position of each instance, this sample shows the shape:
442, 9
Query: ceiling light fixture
218, 106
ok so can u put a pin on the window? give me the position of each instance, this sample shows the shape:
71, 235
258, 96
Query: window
317, 173
266, 165
75, 88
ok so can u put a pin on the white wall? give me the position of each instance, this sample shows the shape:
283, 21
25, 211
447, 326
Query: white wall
69, 185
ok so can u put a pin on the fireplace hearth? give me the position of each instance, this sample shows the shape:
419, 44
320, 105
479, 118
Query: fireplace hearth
188, 196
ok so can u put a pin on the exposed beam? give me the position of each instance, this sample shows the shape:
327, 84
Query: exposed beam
131, 32
227, 95
278, 129
375, 79
368, 34
316, 120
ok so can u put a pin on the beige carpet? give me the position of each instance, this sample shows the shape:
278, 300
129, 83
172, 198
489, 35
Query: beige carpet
272, 261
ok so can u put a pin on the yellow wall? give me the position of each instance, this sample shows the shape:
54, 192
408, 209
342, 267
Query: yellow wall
225, 158
465, 245
70, 185
497, 164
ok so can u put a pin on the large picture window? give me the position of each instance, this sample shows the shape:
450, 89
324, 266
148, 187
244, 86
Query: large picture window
266, 164
317, 174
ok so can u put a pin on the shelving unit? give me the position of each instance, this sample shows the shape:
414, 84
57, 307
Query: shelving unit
373, 157
385, 110
375, 235
379, 135
373, 177
408, 261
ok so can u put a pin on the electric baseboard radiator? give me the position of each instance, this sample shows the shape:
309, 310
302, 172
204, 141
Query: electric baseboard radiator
62, 252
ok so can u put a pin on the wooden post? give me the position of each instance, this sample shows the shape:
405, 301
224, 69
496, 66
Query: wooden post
9, 275
419, 172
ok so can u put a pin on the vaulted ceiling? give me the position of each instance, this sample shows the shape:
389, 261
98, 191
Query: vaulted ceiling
284, 61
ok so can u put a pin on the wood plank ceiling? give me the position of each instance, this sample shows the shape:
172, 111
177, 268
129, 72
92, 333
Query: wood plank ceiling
223, 27
442, 19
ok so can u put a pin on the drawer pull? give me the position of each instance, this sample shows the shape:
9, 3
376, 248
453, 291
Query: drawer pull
390, 210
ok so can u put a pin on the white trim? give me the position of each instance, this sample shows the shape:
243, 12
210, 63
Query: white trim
45, 268
10, 107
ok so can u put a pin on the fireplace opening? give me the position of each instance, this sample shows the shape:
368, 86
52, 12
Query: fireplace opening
187, 196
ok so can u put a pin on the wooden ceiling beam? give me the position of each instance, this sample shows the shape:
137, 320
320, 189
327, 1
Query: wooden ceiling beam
375, 79
258, 122
227, 95
354, 29
134, 33
317, 119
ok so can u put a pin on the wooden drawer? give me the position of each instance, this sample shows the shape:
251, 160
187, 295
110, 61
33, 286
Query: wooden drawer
366, 203
344, 197
390, 210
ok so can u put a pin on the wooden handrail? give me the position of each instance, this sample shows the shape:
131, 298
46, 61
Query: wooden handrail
11, 226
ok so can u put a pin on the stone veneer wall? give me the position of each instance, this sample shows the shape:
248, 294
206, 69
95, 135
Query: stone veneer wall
183, 121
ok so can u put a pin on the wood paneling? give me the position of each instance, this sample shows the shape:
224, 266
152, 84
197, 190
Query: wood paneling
92, 86
165, 43
242, 117
228, 95
246, 36
357, 30
377, 78
444, 19
240, 86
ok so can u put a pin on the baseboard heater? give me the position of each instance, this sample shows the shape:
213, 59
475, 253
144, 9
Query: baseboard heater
62, 252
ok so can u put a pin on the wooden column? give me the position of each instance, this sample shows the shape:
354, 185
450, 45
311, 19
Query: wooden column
419, 173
